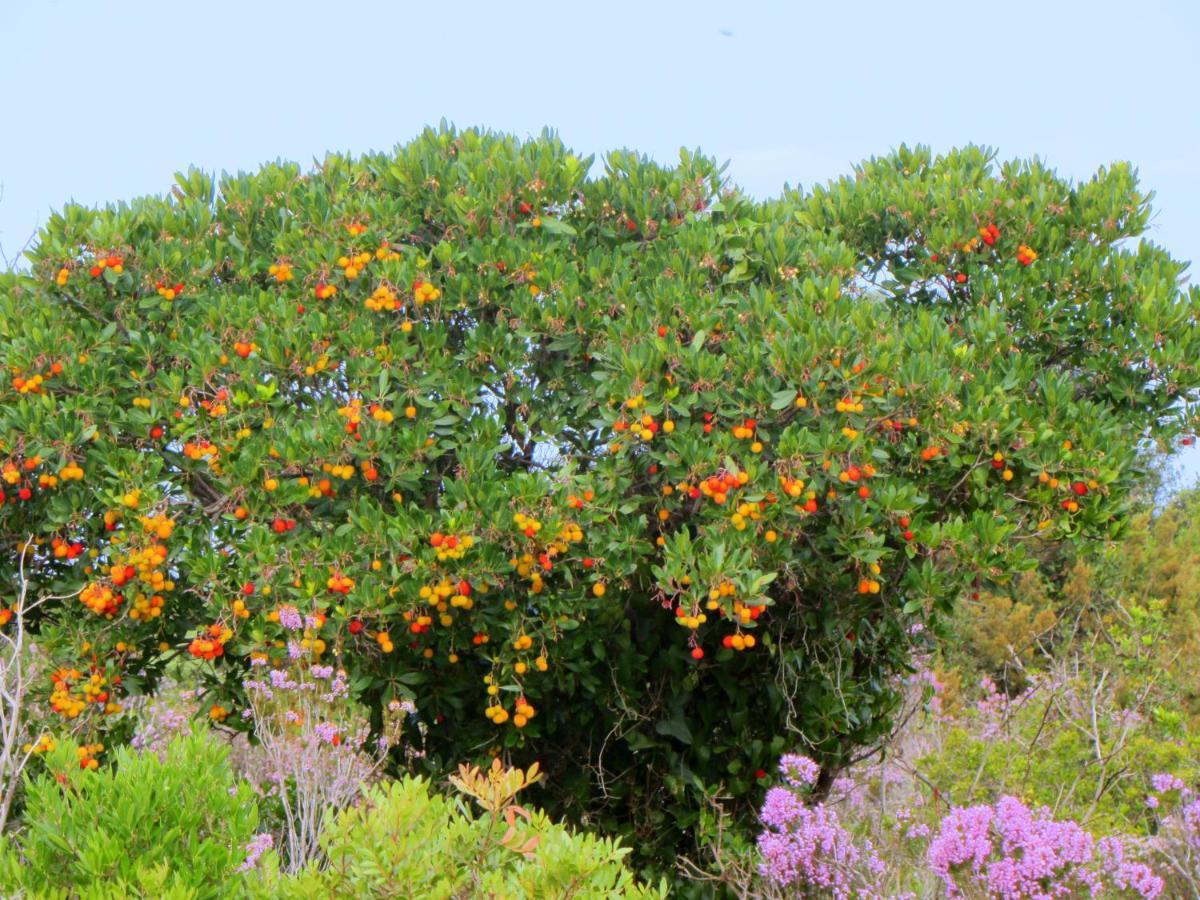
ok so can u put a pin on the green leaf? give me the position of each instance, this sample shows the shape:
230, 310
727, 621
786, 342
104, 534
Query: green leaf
557, 226
675, 727
783, 399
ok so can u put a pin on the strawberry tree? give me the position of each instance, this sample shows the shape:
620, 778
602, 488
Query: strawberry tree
629, 474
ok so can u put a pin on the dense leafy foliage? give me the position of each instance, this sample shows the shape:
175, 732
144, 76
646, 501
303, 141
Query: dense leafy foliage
152, 827
626, 474
405, 841
179, 824
1089, 679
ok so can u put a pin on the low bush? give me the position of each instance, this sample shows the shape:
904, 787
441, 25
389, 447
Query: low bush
1005, 850
407, 841
157, 827
179, 824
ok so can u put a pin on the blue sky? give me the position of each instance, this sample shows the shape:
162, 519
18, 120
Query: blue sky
105, 101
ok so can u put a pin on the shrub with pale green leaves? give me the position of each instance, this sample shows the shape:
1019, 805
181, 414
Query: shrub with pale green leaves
406, 841
147, 827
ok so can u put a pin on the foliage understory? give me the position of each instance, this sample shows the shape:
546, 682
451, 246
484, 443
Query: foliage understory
1067, 762
1052, 746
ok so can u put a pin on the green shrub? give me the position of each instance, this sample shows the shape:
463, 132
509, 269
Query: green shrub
148, 827
408, 842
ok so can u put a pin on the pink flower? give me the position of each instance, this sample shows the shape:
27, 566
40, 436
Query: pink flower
808, 849
1017, 854
289, 618
1164, 782
257, 846
799, 771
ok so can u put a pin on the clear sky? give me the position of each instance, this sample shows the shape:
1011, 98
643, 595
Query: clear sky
106, 100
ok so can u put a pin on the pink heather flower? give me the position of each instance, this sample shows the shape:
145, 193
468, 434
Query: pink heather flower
289, 618
325, 732
161, 722
1126, 874
1191, 823
918, 831
321, 672
799, 771
1017, 854
1164, 782
1152, 802
257, 846
781, 808
807, 848
338, 687
963, 838
294, 651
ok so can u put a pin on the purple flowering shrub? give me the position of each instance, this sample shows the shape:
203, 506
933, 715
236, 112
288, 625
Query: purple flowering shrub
1082, 736
1176, 811
1004, 850
161, 718
312, 750
806, 846
255, 848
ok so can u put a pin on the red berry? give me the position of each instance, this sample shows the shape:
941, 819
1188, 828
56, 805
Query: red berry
904, 520
908, 535
760, 774
248, 588
1079, 488
588, 562
697, 653
356, 626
